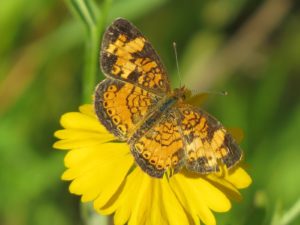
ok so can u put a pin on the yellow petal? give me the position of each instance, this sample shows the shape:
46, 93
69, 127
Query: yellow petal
88, 109
192, 198
225, 186
113, 182
95, 164
127, 199
117, 201
76, 120
78, 134
145, 199
213, 197
101, 181
155, 214
104, 152
142, 200
69, 175
71, 144
116, 176
239, 178
79, 138
170, 206
81, 160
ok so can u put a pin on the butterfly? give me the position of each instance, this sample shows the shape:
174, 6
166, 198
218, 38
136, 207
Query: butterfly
136, 104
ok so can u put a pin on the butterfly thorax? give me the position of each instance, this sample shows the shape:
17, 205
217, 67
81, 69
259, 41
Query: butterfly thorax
180, 94
164, 105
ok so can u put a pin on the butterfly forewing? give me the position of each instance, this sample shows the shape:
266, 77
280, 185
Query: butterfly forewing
127, 55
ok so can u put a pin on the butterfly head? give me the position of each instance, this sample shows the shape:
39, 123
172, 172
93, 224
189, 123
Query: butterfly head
182, 93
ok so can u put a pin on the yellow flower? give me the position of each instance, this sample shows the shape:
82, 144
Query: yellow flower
103, 170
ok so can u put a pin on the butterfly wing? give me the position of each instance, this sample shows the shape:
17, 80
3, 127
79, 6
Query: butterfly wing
161, 147
121, 106
126, 55
207, 143
136, 79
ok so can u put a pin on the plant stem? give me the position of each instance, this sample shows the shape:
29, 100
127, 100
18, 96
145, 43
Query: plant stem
291, 214
91, 63
95, 26
88, 13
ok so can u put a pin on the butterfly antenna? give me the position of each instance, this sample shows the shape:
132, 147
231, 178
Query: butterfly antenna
177, 65
222, 93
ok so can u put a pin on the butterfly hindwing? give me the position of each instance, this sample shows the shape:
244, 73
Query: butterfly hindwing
161, 147
127, 55
207, 143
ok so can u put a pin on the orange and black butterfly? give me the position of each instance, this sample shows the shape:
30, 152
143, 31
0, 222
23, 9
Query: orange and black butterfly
136, 104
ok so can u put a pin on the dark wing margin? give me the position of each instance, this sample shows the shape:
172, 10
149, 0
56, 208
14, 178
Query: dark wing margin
207, 143
127, 55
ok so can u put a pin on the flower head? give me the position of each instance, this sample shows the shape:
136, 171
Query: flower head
103, 170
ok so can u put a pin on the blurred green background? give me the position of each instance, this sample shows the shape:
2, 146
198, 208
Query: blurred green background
249, 48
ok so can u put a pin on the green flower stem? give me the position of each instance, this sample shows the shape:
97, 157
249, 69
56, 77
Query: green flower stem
84, 10
91, 64
89, 14
291, 214
287, 217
